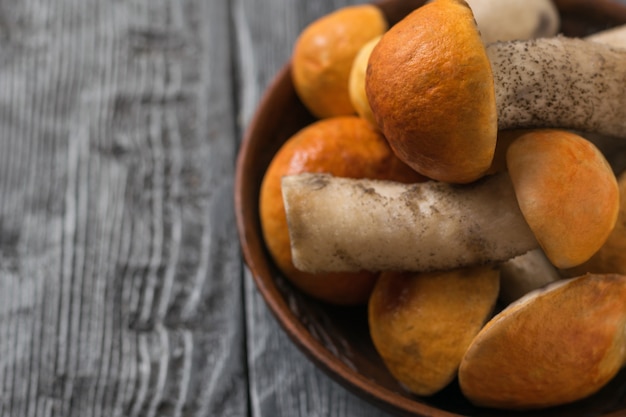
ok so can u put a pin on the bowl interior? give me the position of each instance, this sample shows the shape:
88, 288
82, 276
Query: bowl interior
336, 338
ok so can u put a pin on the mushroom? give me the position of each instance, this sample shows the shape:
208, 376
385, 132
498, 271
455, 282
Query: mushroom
496, 19
323, 52
533, 270
440, 96
421, 324
338, 224
345, 146
566, 191
552, 347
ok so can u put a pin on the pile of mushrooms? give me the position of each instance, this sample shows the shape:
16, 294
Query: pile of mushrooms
559, 194
519, 193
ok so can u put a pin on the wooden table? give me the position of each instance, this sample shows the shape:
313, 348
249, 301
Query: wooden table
122, 287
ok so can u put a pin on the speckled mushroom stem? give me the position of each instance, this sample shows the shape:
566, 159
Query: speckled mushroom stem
340, 224
560, 82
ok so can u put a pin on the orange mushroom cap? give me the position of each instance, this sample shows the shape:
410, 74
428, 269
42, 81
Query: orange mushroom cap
430, 86
566, 191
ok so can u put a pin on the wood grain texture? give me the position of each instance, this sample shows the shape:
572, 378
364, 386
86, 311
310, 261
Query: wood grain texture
120, 273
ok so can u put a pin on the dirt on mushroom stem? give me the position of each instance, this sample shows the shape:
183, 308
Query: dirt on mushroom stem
420, 227
560, 82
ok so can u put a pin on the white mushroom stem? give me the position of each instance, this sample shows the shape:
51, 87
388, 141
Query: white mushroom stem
614, 36
612, 147
339, 224
505, 20
560, 82
525, 273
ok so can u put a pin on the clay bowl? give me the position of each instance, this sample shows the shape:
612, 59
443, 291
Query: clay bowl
336, 339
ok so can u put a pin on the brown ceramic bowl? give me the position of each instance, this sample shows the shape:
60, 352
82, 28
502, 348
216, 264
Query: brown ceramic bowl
336, 339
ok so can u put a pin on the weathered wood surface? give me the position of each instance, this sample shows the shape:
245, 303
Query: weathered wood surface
122, 288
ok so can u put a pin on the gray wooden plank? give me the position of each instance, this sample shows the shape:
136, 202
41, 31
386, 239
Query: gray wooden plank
120, 272
283, 382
